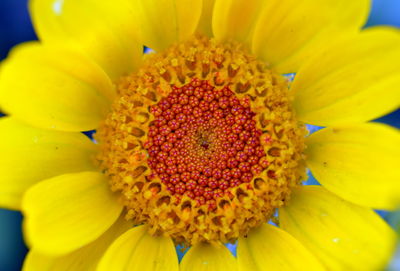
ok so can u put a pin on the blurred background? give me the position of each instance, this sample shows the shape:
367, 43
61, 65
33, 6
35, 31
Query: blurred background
15, 27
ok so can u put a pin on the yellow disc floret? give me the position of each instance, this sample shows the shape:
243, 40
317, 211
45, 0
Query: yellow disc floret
202, 142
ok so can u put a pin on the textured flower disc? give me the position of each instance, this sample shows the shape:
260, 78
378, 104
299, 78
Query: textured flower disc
202, 142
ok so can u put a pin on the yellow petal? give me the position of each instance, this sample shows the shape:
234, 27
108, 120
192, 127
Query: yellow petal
29, 155
353, 80
288, 32
163, 22
54, 89
205, 257
270, 248
83, 259
360, 163
67, 212
103, 30
205, 26
235, 19
342, 235
136, 250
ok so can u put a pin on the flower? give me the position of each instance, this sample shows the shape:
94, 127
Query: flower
201, 142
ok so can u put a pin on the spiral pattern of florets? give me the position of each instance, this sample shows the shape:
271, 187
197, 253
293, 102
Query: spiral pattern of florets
204, 140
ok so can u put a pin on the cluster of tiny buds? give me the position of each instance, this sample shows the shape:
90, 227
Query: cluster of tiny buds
204, 141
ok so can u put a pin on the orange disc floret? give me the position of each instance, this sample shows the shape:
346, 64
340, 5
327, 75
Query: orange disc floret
202, 142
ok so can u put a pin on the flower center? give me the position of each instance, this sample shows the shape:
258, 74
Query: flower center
202, 143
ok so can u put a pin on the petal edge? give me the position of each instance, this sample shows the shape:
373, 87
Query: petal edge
358, 162
67, 212
342, 235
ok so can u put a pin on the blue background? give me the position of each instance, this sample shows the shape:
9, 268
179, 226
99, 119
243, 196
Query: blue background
15, 27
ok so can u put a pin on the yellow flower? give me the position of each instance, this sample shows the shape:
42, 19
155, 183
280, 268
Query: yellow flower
202, 141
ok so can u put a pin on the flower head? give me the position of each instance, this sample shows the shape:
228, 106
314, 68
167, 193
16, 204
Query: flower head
193, 151
202, 142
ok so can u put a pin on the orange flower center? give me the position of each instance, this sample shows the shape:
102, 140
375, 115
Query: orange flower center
202, 143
